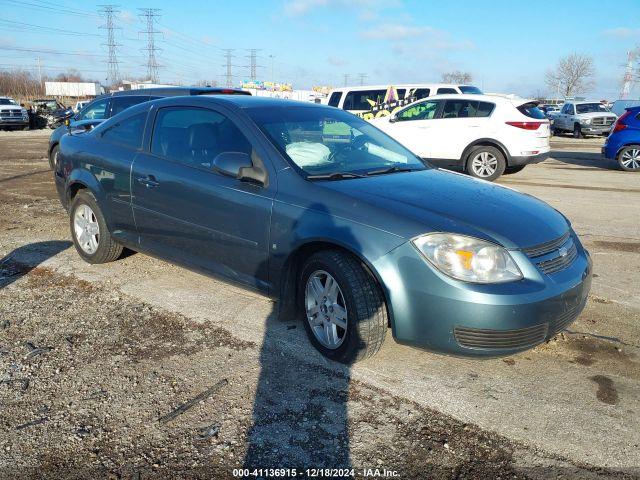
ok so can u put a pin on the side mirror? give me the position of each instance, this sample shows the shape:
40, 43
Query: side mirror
393, 119
240, 166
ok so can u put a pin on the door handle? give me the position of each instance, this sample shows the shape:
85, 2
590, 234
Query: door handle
149, 181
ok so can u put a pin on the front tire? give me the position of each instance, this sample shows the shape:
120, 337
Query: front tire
577, 131
345, 313
484, 162
53, 157
629, 158
89, 230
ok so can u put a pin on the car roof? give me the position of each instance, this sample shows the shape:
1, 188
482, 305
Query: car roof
238, 101
400, 85
178, 91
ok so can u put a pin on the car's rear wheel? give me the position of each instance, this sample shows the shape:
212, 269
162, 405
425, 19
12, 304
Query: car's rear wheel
629, 158
53, 157
577, 131
486, 162
345, 313
510, 170
89, 230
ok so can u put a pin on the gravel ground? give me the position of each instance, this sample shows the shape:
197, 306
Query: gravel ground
90, 376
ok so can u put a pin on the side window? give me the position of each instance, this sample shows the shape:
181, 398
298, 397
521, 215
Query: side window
334, 100
357, 100
484, 109
128, 132
421, 111
195, 136
118, 104
95, 111
421, 93
460, 109
446, 90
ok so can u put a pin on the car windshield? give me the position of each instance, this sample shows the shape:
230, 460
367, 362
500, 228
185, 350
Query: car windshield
323, 141
470, 89
591, 107
7, 101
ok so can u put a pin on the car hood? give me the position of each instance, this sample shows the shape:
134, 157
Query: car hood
436, 200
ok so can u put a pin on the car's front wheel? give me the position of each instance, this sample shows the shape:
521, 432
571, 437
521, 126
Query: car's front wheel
345, 313
89, 230
577, 131
486, 162
629, 158
53, 157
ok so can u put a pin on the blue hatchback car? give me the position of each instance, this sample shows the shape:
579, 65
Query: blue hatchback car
327, 214
623, 143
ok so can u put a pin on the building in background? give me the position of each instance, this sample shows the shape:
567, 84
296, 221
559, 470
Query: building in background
73, 89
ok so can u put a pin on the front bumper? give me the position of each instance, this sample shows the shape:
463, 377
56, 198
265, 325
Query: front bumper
594, 129
14, 122
435, 312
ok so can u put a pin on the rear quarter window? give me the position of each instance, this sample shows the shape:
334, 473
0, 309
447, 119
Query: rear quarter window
531, 110
334, 99
357, 100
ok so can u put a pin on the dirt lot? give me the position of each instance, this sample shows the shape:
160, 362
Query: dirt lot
93, 360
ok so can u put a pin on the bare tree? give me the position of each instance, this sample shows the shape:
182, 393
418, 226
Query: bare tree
71, 75
20, 84
457, 77
573, 74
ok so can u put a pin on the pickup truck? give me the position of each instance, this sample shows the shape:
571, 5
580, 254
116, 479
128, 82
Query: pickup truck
12, 115
583, 118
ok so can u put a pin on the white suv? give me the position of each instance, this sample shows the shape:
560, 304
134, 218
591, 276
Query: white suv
485, 135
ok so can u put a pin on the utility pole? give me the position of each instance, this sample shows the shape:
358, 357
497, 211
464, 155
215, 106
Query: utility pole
113, 74
253, 57
228, 55
150, 15
362, 76
346, 79
39, 71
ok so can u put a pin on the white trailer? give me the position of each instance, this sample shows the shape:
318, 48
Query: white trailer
73, 89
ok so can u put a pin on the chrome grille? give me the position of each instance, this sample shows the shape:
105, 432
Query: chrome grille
559, 263
603, 121
501, 339
546, 248
11, 114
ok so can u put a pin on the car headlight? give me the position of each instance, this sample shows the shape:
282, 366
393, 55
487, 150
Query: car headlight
467, 258
586, 121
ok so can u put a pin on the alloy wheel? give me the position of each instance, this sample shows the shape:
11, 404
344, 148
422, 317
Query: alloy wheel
86, 229
631, 159
326, 309
484, 164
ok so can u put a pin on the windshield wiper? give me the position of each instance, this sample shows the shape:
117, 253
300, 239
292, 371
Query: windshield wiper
335, 176
393, 169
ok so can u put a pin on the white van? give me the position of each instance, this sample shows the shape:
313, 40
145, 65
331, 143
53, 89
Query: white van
374, 101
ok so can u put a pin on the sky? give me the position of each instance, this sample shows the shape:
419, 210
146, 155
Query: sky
507, 46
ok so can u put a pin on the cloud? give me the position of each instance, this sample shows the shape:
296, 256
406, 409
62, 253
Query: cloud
622, 32
428, 37
337, 62
296, 8
394, 31
127, 17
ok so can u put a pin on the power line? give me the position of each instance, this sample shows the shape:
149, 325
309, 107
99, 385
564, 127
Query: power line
346, 79
21, 26
113, 74
150, 14
362, 77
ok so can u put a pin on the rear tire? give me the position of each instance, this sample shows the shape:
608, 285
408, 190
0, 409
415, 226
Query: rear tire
89, 230
359, 298
577, 131
485, 162
510, 170
629, 158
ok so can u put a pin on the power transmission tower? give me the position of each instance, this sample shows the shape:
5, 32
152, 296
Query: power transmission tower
228, 55
271, 57
346, 79
253, 57
362, 76
629, 77
150, 15
113, 74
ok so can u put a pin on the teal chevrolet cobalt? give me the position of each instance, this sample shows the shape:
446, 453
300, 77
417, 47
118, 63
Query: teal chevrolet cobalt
344, 226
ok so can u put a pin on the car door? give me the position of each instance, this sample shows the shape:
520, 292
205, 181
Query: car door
412, 126
186, 210
461, 122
